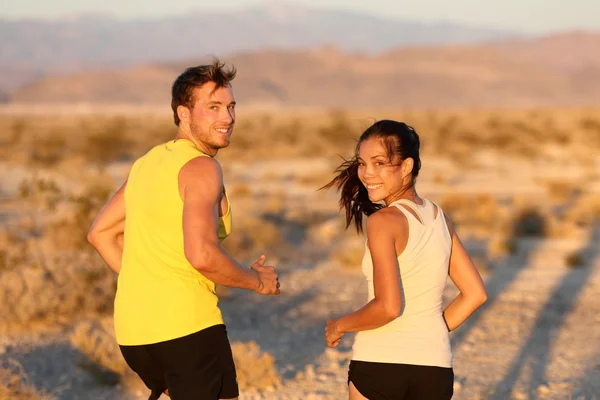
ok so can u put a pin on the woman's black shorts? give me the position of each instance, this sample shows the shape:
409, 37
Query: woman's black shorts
384, 381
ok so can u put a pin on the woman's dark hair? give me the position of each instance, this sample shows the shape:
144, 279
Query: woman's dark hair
400, 140
182, 92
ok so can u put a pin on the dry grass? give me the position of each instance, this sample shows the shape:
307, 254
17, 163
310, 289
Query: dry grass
43, 250
101, 138
48, 270
101, 357
255, 368
94, 338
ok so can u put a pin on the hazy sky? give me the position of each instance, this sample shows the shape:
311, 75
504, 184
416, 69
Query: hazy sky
533, 16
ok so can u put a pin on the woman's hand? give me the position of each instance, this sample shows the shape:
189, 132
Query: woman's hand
332, 336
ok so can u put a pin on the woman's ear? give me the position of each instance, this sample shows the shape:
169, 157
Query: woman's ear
407, 166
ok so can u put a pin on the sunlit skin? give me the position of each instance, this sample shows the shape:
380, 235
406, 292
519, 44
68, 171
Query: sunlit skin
209, 122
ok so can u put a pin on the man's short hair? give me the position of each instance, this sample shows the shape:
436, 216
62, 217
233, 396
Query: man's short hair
182, 93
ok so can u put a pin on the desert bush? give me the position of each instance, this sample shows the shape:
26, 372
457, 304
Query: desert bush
561, 190
530, 222
502, 245
109, 144
62, 289
48, 150
70, 232
255, 369
12, 251
478, 214
100, 355
94, 338
339, 129
585, 211
575, 260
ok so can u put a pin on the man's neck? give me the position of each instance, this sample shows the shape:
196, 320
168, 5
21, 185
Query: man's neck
199, 145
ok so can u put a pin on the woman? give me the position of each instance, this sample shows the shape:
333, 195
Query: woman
402, 348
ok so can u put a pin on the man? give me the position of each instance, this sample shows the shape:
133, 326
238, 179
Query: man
162, 232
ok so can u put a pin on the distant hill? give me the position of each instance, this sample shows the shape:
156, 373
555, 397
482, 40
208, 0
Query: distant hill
30, 48
559, 70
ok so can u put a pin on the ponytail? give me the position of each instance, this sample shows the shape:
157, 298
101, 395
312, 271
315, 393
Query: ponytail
354, 197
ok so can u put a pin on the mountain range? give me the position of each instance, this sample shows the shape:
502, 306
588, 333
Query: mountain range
289, 55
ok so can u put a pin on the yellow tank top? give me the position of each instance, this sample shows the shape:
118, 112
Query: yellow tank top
160, 296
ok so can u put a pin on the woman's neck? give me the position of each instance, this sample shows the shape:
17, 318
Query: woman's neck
410, 194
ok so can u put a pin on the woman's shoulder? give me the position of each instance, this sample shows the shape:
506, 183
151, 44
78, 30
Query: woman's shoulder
387, 219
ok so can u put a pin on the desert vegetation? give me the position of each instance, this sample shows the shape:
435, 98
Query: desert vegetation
506, 179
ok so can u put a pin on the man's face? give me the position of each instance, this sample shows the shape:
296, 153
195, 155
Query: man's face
212, 117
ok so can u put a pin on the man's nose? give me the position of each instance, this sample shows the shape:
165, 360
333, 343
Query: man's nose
229, 115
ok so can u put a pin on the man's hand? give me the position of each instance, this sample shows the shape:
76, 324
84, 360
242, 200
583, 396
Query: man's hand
267, 278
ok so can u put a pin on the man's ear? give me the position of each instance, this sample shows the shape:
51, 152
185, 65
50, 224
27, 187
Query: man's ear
183, 113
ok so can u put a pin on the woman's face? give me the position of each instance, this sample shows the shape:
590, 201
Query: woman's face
383, 178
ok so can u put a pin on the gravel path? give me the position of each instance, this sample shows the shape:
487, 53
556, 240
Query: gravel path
536, 338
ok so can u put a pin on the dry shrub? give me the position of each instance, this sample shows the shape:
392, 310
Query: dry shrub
100, 354
95, 339
561, 190
49, 271
103, 138
478, 215
255, 369
47, 151
575, 260
56, 288
108, 144
339, 128
70, 232
501, 246
560, 226
585, 211
529, 222
12, 251
14, 386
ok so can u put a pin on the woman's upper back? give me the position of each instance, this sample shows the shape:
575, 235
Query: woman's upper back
424, 260
419, 335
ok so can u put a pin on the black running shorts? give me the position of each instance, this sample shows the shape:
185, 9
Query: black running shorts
384, 381
198, 366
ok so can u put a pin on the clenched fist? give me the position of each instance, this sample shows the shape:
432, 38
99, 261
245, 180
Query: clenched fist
267, 277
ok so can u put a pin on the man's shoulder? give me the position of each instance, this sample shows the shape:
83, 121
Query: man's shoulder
201, 170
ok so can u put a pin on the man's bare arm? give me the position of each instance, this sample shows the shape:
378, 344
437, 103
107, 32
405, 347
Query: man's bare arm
106, 232
201, 188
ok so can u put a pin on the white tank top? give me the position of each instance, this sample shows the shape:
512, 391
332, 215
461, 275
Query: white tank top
419, 335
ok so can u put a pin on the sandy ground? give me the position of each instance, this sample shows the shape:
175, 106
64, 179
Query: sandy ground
538, 336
